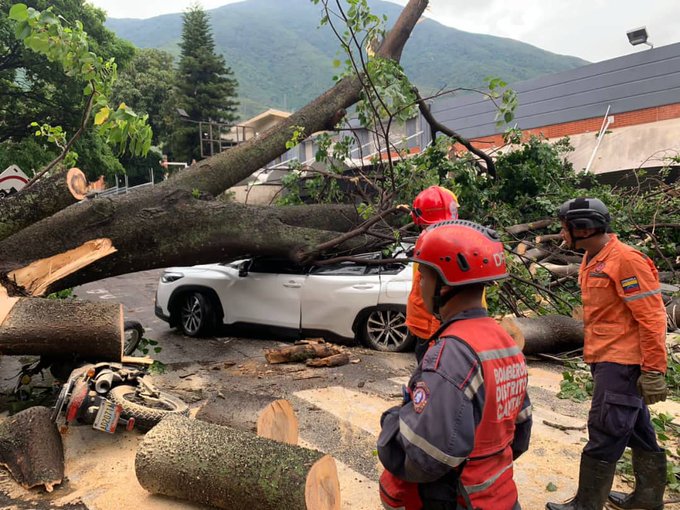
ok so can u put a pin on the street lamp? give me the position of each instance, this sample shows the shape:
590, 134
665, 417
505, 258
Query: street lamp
638, 36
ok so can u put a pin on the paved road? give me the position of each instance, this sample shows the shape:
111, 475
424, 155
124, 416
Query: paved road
338, 410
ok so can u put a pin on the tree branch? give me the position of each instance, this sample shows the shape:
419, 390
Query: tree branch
435, 125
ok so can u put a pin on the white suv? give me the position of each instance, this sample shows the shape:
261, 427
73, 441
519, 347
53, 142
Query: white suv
343, 301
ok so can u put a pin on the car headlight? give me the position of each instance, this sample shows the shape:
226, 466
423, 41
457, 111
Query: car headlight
171, 277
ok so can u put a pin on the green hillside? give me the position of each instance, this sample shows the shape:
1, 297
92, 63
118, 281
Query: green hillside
282, 60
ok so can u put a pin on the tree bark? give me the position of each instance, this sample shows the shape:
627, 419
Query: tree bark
229, 468
31, 448
266, 416
297, 353
61, 328
43, 199
527, 227
546, 333
336, 360
673, 314
173, 228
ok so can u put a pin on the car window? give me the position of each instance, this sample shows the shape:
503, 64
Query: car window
392, 268
341, 269
275, 266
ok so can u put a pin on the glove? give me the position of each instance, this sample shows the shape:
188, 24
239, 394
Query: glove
652, 387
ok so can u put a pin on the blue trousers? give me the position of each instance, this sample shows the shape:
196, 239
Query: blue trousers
618, 415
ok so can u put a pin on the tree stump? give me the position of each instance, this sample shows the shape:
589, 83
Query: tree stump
545, 333
31, 448
266, 416
234, 469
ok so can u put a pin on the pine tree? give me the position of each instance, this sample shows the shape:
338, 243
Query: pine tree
205, 88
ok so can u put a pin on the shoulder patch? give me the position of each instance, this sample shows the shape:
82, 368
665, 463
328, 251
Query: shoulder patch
421, 394
630, 284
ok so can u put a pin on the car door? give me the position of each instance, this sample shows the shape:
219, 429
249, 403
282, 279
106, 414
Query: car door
267, 293
334, 295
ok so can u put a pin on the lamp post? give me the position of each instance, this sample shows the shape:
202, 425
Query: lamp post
638, 36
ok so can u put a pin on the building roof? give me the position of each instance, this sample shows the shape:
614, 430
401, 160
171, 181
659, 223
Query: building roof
280, 114
644, 79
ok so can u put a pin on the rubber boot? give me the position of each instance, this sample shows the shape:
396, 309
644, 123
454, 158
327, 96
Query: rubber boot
594, 483
650, 482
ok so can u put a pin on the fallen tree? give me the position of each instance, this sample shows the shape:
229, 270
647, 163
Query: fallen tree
296, 353
268, 417
229, 468
31, 448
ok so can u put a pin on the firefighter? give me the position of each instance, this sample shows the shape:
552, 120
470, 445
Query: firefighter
430, 206
466, 414
625, 333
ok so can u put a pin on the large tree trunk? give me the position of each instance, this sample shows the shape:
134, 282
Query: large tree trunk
545, 334
31, 448
61, 328
161, 228
266, 416
229, 468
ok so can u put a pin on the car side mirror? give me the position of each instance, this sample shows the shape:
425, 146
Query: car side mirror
243, 268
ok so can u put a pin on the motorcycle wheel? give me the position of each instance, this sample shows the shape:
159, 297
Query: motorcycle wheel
134, 331
146, 411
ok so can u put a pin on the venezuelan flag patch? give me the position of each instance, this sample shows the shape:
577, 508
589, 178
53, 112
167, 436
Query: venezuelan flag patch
630, 285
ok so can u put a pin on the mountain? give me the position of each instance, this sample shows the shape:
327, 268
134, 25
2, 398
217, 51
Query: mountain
283, 60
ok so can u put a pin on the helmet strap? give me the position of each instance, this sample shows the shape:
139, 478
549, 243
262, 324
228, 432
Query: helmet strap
440, 300
574, 239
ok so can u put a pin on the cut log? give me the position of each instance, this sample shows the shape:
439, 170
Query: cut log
526, 227
229, 468
266, 416
556, 269
297, 353
548, 238
523, 247
45, 327
336, 360
673, 314
537, 254
545, 333
31, 448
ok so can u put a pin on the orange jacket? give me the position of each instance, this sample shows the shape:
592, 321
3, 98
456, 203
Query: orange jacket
420, 322
623, 313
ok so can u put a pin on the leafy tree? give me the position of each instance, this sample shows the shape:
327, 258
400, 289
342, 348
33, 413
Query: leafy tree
35, 89
145, 84
205, 86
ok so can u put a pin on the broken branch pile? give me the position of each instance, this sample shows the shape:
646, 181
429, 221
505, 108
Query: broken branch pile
314, 352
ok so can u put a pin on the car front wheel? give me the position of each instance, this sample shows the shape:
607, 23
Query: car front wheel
196, 314
385, 330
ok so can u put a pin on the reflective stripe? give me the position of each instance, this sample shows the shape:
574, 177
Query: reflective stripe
471, 489
643, 295
473, 386
427, 447
388, 507
499, 353
524, 415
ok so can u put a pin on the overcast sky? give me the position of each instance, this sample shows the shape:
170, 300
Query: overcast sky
591, 29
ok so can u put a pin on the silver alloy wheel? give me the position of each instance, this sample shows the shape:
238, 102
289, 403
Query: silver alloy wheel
192, 314
386, 329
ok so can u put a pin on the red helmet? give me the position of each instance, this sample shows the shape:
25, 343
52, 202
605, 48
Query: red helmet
433, 205
462, 253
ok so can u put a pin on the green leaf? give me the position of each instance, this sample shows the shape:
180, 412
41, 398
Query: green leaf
18, 12
551, 487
